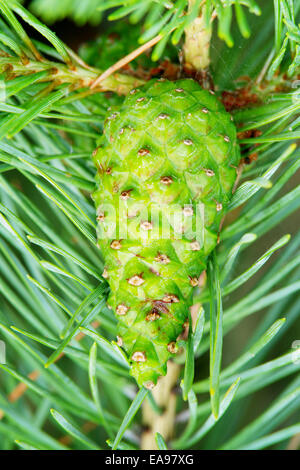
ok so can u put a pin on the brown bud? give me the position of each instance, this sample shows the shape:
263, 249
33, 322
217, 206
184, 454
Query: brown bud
195, 246
105, 273
161, 258
115, 245
146, 225
172, 347
188, 211
136, 280
138, 356
122, 309
125, 194
193, 281
100, 217
162, 116
143, 152
167, 180
149, 385
170, 299
153, 315
209, 172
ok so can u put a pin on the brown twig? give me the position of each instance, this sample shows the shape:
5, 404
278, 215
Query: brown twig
125, 60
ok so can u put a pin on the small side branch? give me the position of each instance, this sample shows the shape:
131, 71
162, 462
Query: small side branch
125, 60
78, 77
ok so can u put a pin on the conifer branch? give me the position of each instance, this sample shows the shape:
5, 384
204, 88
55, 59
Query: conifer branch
78, 77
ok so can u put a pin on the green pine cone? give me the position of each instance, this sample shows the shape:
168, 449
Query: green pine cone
166, 168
